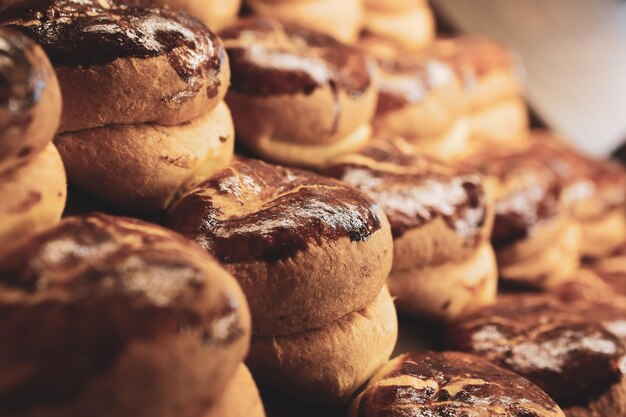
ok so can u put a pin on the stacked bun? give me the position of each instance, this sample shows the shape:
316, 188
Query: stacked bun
123, 317
143, 117
215, 14
341, 19
312, 256
32, 178
493, 96
298, 97
441, 219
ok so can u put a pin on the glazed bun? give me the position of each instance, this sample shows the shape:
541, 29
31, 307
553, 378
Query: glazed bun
328, 365
340, 19
298, 97
575, 360
441, 220
30, 100
450, 384
306, 249
128, 65
123, 317
239, 399
32, 198
143, 168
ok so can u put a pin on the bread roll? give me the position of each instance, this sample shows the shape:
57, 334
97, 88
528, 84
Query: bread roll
214, 13
239, 399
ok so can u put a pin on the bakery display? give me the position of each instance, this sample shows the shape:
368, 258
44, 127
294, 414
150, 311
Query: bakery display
441, 219
298, 97
492, 78
309, 252
573, 358
450, 384
142, 89
123, 318
32, 179
341, 19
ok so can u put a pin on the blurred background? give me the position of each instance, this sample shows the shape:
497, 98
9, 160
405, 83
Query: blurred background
575, 56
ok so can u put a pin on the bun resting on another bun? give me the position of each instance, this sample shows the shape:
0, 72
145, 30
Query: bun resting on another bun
450, 384
214, 13
123, 317
298, 97
239, 399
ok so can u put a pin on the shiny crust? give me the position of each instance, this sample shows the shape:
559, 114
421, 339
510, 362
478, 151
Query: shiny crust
32, 198
240, 398
576, 361
143, 168
326, 366
115, 306
30, 100
450, 384
280, 232
295, 86
126, 65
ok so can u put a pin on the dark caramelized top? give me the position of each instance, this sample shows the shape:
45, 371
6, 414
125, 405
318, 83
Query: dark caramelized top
414, 189
272, 58
429, 384
256, 211
88, 287
573, 359
97, 32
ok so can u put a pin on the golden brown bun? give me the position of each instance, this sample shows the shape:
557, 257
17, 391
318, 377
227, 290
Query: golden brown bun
32, 198
327, 365
240, 398
411, 27
30, 100
340, 19
214, 13
392, 5
441, 220
493, 94
142, 168
450, 384
306, 249
128, 65
124, 318
297, 92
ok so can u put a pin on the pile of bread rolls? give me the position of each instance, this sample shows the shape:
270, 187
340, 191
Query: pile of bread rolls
270, 181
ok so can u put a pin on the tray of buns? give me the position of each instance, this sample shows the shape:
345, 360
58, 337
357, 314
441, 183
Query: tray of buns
294, 208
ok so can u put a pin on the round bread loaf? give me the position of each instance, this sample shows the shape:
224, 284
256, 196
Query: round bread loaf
240, 398
119, 64
576, 361
493, 79
306, 249
124, 318
441, 220
32, 198
298, 97
143, 168
327, 365
450, 384
214, 13
340, 19
30, 100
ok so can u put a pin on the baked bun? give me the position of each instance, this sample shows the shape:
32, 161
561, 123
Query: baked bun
30, 100
214, 13
420, 98
450, 384
340, 19
240, 398
142, 168
128, 65
575, 360
306, 249
123, 317
441, 220
32, 198
298, 97
537, 241
327, 365
493, 77
408, 24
